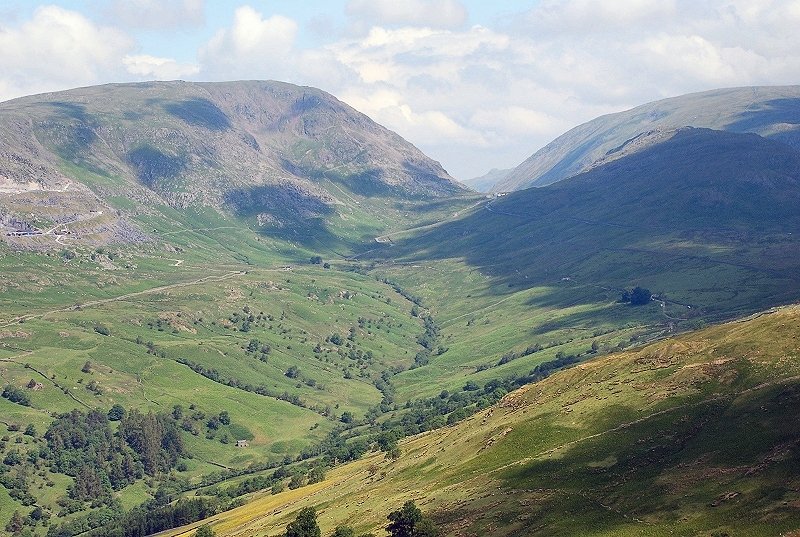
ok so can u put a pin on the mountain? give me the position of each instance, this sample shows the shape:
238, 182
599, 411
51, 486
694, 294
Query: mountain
275, 155
693, 435
708, 220
770, 111
259, 284
485, 182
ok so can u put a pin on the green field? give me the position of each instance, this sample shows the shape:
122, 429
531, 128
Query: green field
689, 436
321, 292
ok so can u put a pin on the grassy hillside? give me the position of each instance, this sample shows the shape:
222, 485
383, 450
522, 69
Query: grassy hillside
769, 111
221, 339
706, 220
277, 291
689, 436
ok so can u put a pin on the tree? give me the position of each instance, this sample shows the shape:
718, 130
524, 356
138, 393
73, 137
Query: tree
394, 453
116, 413
16, 523
205, 531
298, 480
316, 474
410, 522
640, 296
316, 260
343, 531
305, 525
224, 418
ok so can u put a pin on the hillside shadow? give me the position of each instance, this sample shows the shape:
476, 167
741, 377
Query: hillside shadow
430, 180
199, 113
620, 224
154, 168
367, 183
782, 111
80, 134
777, 111
285, 212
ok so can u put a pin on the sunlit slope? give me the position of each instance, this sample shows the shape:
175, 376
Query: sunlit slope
689, 436
256, 344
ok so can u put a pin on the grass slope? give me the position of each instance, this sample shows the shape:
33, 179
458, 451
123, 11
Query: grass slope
137, 336
707, 220
689, 436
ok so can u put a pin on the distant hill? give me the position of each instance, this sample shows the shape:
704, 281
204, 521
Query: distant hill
770, 111
485, 182
277, 155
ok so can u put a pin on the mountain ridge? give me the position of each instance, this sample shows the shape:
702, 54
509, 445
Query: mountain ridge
771, 111
271, 153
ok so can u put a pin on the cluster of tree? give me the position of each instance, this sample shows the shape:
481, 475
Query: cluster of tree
430, 336
545, 369
408, 521
298, 476
350, 441
16, 482
255, 347
102, 329
21, 526
429, 340
402, 292
154, 437
151, 518
96, 518
83, 445
511, 355
16, 395
636, 297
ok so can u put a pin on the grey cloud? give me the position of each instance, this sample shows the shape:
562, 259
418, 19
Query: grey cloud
156, 14
429, 13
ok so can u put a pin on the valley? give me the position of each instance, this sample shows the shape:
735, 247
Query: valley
295, 307
677, 437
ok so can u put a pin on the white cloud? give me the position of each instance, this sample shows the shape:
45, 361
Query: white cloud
592, 16
253, 47
58, 48
151, 67
473, 97
425, 127
157, 14
425, 13
508, 122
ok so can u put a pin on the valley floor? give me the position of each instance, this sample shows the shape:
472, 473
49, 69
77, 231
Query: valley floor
689, 436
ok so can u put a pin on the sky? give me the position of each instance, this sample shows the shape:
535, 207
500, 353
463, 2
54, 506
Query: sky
475, 84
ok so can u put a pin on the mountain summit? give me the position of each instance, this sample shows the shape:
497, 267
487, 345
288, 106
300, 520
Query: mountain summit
268, 151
